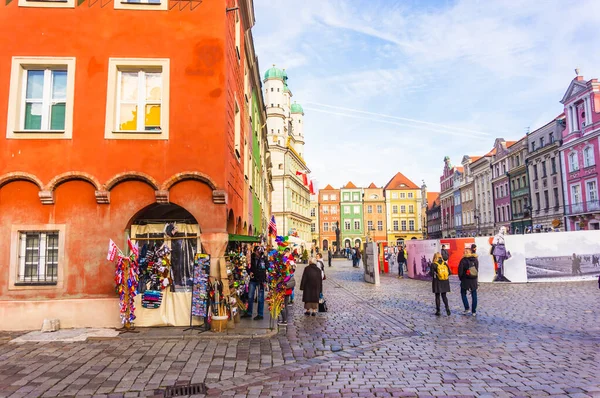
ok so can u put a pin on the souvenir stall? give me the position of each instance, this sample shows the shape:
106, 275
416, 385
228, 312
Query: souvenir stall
278, 271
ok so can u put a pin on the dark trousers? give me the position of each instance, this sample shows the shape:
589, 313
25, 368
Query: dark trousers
261, 297
401, 269
437, 301
463, 294
285, 311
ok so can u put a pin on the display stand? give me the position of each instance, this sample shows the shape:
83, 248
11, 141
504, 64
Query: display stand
127, 304
200, 284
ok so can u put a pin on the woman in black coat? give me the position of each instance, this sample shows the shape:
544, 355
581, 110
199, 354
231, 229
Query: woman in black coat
311, 286
439, 287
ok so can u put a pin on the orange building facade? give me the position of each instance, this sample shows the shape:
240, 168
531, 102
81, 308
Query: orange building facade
117, 118
329, 216
374, 213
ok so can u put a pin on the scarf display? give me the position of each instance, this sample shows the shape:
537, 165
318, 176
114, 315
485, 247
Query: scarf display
279, 269
200, 285
126, 281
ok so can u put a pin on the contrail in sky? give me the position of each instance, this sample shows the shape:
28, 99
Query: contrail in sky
399, 118
455, 133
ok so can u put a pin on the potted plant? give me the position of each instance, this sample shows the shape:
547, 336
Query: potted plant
305, 256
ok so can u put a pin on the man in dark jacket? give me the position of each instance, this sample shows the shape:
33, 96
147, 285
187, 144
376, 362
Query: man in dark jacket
401, 261
258, 278
468, 271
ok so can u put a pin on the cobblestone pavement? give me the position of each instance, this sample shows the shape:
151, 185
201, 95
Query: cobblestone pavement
539, 339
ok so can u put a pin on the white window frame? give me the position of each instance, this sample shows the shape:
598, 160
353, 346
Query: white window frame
47, 3
573, 166
403, 209
395, 225
16, 250
380, 225
333, 197
411, 225
394, 209
394, 195
410, 195
356, 210
125, 5
346, 209
379, 209
313, 212
369, 209
346, 197
403, 225
325, 227
16, 97
356, 222
347, 225
591, 161
573, 202
325, 197
333, 209
370, 225
114, 66
411, 208
325, 209
402, 195
587, 191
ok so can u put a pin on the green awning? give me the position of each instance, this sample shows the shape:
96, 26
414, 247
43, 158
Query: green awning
243, 238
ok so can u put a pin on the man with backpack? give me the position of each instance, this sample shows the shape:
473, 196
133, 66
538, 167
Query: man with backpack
258, 279
468, 273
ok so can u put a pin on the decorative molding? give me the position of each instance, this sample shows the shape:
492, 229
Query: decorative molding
131, 176
162, 196
20, 176
188, 175
103, 197
46, 197
73, 175
219, 197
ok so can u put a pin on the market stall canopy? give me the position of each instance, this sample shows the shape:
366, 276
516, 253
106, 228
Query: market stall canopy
243, 238
296, 241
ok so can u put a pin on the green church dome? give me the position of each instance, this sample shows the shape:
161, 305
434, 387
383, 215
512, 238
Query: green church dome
296, 108
274, 73
286, 89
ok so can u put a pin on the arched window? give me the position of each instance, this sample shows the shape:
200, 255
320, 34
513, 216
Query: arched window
588, 156
573, 161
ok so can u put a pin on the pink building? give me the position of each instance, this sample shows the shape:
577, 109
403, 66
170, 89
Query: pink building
447, 199
579, 152
500, 183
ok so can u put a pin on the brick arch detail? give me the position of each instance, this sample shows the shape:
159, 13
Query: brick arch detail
188, 175
20, 176
131, 176
73, 175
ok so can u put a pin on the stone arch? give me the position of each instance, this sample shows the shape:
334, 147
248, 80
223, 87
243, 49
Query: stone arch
72, 175
131, 176
359, 241
188, 175
238, 226
347, 243
20, 176
325, 244
250, 230
231, 222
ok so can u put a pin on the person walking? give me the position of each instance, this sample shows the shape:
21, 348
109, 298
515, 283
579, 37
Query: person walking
329, 256
401, 260
576, 265
468, 273
440, 284
444, 253
358, 256
321, 265
258, 278
311, 286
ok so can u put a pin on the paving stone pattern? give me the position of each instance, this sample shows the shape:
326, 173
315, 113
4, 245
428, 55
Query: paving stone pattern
539, 339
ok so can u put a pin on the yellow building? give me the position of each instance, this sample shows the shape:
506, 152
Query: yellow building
403, 208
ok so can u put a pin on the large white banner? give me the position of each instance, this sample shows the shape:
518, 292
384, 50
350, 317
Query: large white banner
371, 263
420, 253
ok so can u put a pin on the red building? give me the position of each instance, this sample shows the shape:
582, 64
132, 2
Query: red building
79, 165
329, 216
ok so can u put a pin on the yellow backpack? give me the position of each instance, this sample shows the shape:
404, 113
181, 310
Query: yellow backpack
442, 271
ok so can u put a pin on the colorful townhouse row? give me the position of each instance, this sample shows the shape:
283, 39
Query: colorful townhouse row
392, 213
545, 181
124, 116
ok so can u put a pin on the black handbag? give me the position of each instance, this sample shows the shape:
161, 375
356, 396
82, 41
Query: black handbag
322, 305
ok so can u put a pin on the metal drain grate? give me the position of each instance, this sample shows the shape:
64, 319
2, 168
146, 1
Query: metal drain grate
190, 389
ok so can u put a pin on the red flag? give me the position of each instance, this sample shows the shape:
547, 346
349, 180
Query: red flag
311, 188
304, 177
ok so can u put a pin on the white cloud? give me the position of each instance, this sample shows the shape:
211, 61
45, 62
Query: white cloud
495, 67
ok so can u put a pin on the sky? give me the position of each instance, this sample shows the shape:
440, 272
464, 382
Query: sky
390, 86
